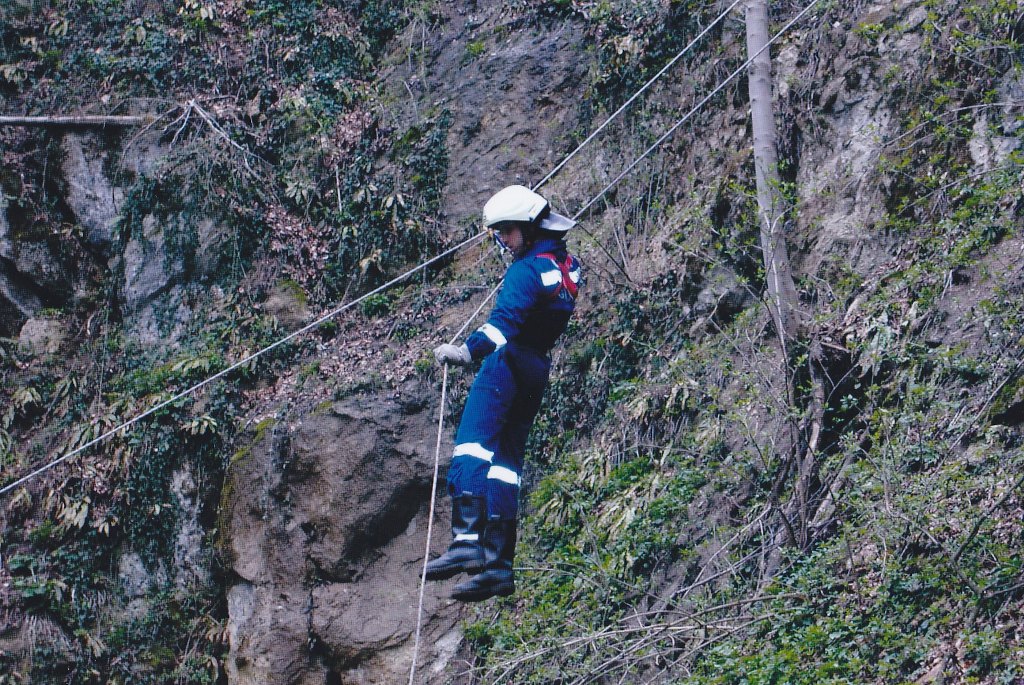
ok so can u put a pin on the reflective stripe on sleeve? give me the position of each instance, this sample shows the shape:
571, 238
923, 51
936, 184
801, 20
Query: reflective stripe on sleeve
550, 278
575, 276
467, 537
504, 475
473, 449
495, 336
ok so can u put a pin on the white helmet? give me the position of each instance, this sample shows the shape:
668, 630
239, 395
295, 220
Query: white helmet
519, 203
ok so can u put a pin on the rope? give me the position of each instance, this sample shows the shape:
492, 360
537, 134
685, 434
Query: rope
433, 488
4, 490
240, 363
430, 524
628, 102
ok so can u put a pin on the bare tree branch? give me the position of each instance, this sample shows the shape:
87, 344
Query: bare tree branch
80, 120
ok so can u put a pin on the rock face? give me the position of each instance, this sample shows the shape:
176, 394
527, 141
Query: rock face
163, 259
512, 103
159, 265
152, 288
164, 264
18, 297
319, 521
92, 196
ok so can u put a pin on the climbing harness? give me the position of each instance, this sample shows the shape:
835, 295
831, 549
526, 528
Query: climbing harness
567, 283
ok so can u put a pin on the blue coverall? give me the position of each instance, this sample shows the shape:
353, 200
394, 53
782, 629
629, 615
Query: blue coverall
532, 311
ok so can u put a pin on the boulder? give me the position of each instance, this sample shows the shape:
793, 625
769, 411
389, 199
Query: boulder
18, 302
322, 519
287, 303
42, 336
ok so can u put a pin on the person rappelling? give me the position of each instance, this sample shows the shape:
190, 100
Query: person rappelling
532, 311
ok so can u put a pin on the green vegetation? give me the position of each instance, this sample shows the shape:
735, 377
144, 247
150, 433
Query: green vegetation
475, 49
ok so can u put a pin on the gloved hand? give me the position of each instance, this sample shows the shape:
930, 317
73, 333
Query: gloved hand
451, 354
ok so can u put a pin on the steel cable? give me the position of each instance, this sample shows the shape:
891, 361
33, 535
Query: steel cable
240, 363
628, 102
4, 490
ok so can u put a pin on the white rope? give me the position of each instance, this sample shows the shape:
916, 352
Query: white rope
433, 487
628, 102
240, 363
430, 524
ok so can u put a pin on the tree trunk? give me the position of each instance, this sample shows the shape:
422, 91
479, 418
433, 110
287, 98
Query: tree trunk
798, 445
772, 210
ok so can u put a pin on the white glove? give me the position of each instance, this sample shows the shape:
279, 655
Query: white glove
450, 354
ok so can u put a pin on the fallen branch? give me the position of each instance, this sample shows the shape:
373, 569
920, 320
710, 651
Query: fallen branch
83, 120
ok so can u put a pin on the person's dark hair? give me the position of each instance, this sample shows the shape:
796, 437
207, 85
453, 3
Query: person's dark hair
544, 214
540, 234
532, 230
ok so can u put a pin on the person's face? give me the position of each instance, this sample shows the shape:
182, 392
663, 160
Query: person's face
512, 236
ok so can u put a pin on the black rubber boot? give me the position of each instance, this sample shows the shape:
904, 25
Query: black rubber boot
466, 554
497, 579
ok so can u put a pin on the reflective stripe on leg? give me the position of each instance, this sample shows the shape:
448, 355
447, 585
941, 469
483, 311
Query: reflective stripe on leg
473, 449
502, 493
504, 475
